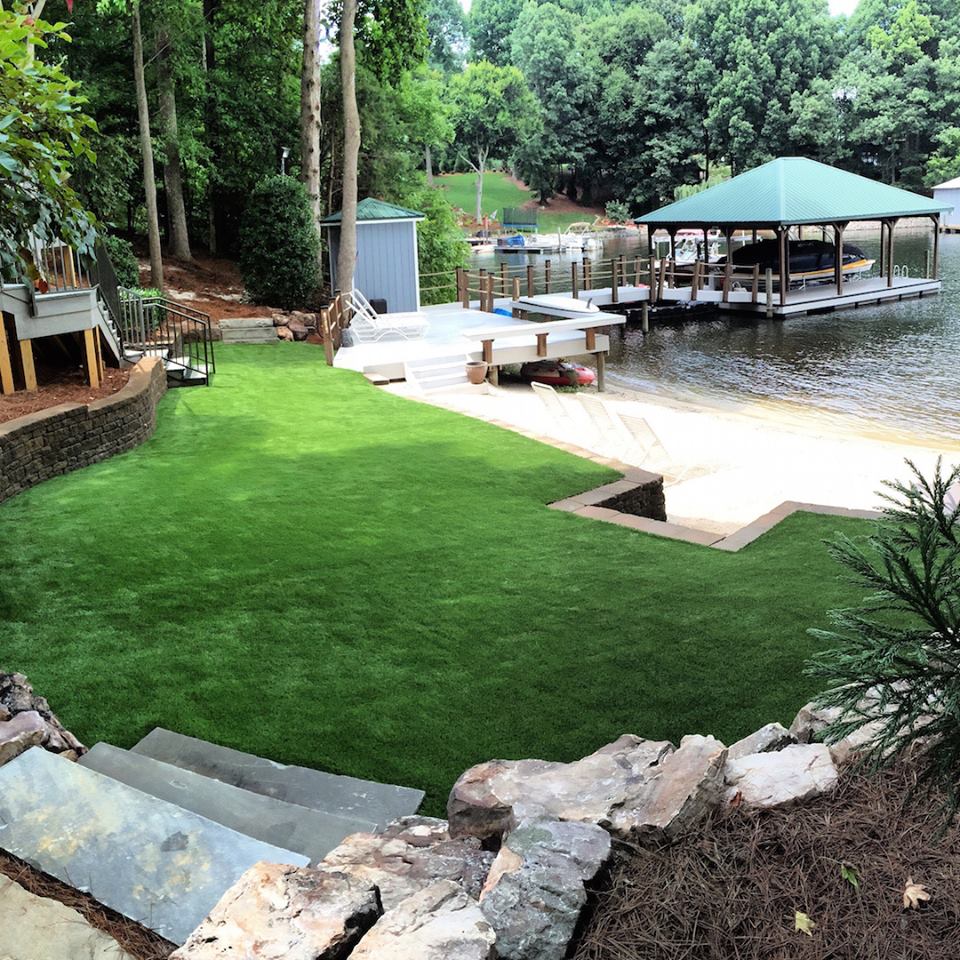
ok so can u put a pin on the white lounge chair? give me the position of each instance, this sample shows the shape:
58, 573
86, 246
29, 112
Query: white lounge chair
368, 326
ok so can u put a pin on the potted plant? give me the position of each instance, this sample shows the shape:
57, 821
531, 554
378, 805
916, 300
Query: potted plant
476, 371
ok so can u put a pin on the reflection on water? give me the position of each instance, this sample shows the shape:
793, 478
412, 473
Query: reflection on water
892, 367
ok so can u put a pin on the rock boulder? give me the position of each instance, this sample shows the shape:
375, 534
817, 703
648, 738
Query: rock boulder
21, 732
17, 697
795, 773
535, 891
411, 854
440, 922
492, 798
295, 913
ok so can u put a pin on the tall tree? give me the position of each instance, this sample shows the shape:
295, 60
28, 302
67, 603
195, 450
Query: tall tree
493, 111
170, 130
310, 109
146, 150
347, 256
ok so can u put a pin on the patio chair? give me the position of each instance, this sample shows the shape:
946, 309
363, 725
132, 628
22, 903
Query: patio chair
646, 443
551, 400
605, 423
368, 326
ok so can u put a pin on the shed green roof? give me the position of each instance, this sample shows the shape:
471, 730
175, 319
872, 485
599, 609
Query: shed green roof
370, 209
793, 190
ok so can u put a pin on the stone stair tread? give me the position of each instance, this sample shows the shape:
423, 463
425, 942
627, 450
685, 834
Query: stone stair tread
290, 826
143, 857
328, 792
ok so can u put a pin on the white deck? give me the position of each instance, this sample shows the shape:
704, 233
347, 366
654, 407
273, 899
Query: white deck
445, 338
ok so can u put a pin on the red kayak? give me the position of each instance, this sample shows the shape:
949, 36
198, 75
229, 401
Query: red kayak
558, 373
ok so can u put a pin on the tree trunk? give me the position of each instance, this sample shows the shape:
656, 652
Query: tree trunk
351, 148
310, 111
428, 163
481, 163
146, 149
210, 8
172, 170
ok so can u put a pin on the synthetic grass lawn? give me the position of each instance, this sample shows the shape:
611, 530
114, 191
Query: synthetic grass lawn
302, 566
500, 191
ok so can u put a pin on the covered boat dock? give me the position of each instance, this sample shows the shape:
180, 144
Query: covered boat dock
781, 197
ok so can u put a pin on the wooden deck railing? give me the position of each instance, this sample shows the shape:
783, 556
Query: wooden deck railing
334, 319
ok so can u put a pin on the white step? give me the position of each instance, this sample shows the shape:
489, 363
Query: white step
184, 365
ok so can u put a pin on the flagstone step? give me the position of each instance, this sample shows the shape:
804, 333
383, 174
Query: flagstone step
150, 860
301, 829
38, 928
344, 796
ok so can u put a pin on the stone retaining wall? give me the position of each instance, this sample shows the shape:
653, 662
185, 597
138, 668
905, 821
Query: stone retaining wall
59, 439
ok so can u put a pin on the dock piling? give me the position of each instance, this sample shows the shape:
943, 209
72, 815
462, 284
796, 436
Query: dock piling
645, 317
768, 291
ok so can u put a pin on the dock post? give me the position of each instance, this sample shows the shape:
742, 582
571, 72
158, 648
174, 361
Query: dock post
614, 281
936, 246
695, 281
490, 293
530, 288
546, 276
768, 291
890, 228
661, 279
601, 371
463, 283
929, 261
575, 286
645, 317
6, 368
653, 272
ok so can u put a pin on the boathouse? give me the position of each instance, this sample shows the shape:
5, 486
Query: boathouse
785, 195
387, 268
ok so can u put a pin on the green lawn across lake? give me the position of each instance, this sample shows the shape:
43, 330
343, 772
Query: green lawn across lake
305, 567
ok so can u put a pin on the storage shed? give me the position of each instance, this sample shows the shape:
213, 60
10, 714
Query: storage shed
949, 193
387, 267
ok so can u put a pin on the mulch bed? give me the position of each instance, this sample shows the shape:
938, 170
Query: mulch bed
733, 889
60, 387
138, 941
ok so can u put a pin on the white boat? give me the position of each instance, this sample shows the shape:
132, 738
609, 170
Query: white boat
557, 301
578, 236
529, 243
480, 244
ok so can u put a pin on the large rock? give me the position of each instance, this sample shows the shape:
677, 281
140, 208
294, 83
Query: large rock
680, 792
37, 928
411, 854
535, 892
439, 923
812, 720
298, 328
21, 732
492, 798
17, 696
795, 773
294, 913
772, 736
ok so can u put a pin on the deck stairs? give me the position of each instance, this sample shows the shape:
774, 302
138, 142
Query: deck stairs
159, 832
435, 374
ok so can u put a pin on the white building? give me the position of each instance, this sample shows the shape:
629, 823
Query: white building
949, 192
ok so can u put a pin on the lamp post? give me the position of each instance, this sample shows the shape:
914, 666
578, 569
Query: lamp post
284, 156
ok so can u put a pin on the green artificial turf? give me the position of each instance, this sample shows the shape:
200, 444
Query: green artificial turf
302, 566
500, 191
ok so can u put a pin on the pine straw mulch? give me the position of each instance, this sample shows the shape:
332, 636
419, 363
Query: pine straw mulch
138, 941
731, 891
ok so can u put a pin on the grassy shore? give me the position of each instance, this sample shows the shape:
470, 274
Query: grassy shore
501, 191
304, 567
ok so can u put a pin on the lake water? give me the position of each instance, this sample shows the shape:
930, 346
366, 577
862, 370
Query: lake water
892, 369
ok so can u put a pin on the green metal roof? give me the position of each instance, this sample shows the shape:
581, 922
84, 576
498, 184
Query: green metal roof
793, 190
370, 209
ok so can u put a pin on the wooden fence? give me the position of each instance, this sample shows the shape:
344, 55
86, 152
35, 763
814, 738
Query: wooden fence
334, 319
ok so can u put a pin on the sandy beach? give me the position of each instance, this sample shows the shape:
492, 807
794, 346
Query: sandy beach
725, 464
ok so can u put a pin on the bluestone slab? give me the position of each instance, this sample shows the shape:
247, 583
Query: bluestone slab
147, 859
288, 825
343, 796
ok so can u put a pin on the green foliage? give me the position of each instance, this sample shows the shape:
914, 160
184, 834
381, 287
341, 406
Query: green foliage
123, 258
893, 666
279, 245
42, 133
617, 211
490, 25
439, 242
447, 32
